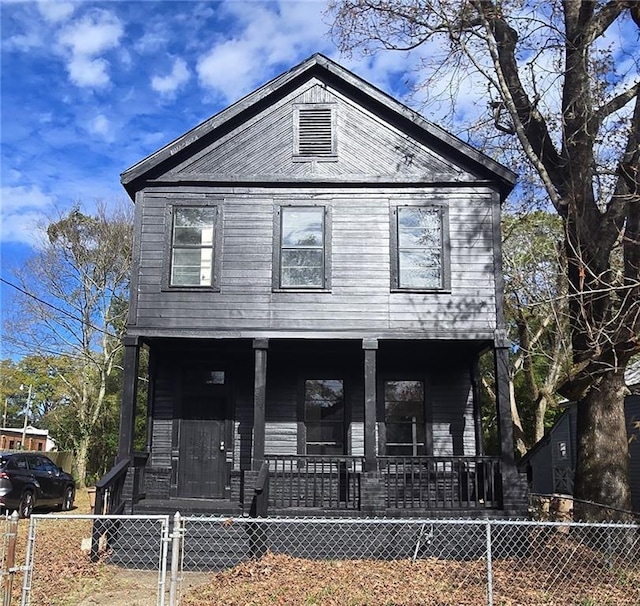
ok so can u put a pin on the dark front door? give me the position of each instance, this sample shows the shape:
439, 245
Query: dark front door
202, 467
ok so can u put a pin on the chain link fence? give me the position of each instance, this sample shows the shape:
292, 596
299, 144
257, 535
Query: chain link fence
146, 560
84, 554
461, 561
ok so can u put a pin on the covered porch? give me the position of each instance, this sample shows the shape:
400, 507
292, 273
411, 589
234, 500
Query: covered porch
360, 426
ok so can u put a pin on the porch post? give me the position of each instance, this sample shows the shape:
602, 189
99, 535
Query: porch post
503, 404
129, 396
477, 406
370, 347
260, 347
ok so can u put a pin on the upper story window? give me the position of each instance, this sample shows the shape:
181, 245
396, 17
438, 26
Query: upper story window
302, 247
315, 133
420, 246
193, 246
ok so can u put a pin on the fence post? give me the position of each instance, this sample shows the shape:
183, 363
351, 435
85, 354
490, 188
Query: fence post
28, 562
489, 564
176, 545
10, 559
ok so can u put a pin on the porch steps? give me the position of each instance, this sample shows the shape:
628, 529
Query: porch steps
188, 507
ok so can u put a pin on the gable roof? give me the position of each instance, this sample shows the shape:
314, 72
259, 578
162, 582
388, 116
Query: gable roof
316, 66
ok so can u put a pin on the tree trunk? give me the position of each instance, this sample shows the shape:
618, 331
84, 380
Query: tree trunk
602, 470
81, 456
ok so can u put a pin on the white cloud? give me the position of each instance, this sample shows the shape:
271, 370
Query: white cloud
167, 85
55, 11
23, 210
271, 36
86, 38
101, 126
84, 71
93, 34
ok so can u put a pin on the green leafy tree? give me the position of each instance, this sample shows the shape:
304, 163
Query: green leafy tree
73, 305
563, 107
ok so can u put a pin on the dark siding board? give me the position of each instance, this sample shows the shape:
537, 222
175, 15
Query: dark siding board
360, 266
452, 413
264, 145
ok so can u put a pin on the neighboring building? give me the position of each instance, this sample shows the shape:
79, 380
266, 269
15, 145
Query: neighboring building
317, 270
551, 462
11, 438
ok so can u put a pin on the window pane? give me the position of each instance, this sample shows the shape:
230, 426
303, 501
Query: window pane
194, 217
302, 247
403, 433
192, 266
302, 227
324, 432
404, 417
420, 269
419, 247
302, 267
192, 257
301, 257
324, 416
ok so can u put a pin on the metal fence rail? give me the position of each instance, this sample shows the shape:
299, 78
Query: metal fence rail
444, 561
503, 562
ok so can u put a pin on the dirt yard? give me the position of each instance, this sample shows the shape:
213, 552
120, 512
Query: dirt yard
64, 576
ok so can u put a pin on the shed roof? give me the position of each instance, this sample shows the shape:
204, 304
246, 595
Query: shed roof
321, 67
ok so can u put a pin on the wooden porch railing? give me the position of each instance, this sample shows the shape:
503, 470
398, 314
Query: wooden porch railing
110, 498
430, 482
326, 482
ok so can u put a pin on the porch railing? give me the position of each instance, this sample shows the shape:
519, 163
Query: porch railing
430, 482
326, 482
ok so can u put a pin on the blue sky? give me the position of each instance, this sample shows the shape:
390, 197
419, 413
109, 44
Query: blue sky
90, 88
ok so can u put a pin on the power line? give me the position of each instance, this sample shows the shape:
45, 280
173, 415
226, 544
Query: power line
58, 309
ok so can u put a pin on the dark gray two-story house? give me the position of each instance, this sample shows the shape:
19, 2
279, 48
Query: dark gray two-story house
316, 272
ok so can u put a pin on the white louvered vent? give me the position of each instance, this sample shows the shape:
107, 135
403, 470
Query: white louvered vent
315, 135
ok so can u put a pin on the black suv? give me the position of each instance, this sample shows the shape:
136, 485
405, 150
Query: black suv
29, 479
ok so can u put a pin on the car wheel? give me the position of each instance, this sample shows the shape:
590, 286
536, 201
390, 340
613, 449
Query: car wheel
67, 498
26, 505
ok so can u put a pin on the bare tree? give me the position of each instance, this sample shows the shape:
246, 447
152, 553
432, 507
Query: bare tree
73, 304
566, 96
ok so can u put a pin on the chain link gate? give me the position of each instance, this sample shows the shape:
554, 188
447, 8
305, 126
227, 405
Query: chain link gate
130, 551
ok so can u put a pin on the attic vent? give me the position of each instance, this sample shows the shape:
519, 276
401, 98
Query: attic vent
315, 132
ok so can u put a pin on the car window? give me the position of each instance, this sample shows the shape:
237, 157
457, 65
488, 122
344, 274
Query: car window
38, 464
16, 463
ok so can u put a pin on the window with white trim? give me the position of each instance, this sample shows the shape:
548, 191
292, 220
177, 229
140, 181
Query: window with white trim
193, 246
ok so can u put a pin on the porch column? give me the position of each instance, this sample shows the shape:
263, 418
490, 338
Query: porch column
129, 396
370, 347
260, 347
477, 406
503, 404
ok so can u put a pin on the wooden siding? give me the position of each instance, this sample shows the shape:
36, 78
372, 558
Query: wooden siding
263, 146
360, 302
448, 398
